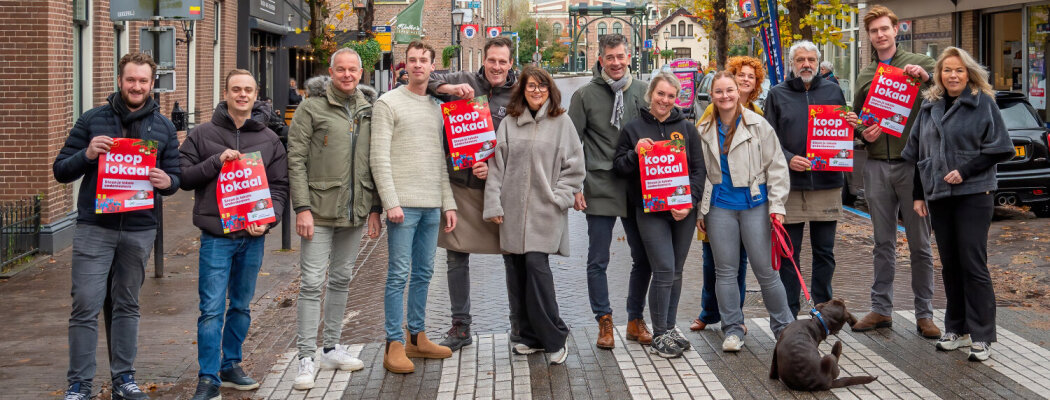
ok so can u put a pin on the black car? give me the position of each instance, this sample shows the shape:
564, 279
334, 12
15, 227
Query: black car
1025, 179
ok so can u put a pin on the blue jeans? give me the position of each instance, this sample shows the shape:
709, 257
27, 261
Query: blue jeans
599, 235
228, 267
708, 302
411, 246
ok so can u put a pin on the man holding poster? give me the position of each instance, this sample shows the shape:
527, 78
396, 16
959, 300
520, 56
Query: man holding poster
888, 181
233, 153
110, 250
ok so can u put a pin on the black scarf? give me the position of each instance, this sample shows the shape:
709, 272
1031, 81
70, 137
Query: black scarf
131, 121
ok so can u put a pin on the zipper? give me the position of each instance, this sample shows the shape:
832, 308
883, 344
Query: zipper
353, 150
812, 182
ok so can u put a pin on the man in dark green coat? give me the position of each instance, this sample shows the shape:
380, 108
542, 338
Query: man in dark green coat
598, 110
888, 185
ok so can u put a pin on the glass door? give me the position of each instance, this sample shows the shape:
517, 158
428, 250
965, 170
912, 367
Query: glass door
1003, 50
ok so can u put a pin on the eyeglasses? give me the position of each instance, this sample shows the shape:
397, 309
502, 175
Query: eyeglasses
536, 88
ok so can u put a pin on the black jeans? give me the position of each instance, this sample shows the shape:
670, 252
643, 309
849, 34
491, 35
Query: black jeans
667, 244
822, 240
960, 225
532, 285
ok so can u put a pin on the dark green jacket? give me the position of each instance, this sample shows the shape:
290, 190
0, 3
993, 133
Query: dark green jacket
591, 110
889, 147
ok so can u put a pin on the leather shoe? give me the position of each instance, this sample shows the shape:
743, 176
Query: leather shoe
605, 332
697, 325
927, 328
637, 331
871, 321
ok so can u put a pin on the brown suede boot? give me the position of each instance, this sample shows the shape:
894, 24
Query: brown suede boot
420, 347
697, 325
605, 332
871, 321
637, 331
927, 329
395, 360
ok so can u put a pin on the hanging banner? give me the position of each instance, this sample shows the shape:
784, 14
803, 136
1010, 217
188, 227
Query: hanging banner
468, 129
770, 29
469, 31
829, 141
409, 24
890, 99
747, 8
123, 176
494, 31
243, 194
665, 175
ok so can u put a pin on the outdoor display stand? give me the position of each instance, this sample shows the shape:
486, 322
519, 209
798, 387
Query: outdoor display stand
685, 69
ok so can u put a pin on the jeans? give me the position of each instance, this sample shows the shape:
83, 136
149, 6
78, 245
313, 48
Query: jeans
332, 252
667, 244
822, 240
962, 223
599, 235
228, 267
708, 301
751, 228
106, 263
411, 245
530, 276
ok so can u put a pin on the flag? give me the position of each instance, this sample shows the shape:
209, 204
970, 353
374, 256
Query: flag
494, 31
409, 25
469, 31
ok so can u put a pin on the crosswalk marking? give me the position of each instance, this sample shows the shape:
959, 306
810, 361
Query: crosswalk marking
857, 359
328, 384
653, 377
485, 370
1024, 362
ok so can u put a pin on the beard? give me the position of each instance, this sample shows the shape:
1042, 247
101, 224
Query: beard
806, 79
126, 96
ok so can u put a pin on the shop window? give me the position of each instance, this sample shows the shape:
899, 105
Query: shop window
683, 52
1039, 46
1003, 50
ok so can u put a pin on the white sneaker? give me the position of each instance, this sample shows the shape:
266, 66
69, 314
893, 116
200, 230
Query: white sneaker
950, 341
732, 343
979, 351
521, 349
558, 357
305, 378
339, 358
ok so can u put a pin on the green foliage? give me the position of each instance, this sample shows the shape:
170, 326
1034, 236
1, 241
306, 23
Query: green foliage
370, 51
526, 29
667, 54
447, 53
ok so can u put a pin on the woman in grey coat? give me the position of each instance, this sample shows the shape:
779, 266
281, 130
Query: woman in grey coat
956, 140
537, 167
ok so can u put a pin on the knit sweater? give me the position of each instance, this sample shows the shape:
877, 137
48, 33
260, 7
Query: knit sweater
407, 157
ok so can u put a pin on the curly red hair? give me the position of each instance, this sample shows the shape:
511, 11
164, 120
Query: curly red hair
734, 64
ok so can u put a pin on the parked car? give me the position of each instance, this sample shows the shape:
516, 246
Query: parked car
1025, 179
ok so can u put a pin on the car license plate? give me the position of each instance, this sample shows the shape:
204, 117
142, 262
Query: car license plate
1019, 151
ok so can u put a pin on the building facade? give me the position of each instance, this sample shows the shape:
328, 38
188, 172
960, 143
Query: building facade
682, 34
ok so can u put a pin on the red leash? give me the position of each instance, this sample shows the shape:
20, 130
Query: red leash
782, 248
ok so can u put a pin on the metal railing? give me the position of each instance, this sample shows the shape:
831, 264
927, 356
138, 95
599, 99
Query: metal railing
19, 231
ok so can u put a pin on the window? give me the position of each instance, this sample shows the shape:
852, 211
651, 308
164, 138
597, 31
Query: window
618, 28
690, 29
557, 29
602, 28
683, 52
681, 28
674, 30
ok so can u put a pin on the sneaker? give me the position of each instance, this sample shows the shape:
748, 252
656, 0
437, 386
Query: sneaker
234, 377
458, 336
950, 341
523, 350
125, 388
558, 357
305, 378
78, 391
339, 358
208, 389
732, 343
979, 351
665, 346
679, 338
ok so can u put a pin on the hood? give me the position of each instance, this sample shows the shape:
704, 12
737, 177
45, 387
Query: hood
512, 78
596, 74
318, 87
526, 116
221, 117
676, 115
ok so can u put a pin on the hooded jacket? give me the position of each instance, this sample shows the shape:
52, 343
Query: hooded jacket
72, 162
591, 110
889, 147
787, 110
201, 165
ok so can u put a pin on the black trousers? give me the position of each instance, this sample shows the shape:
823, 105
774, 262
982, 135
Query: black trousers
822, 241
960, 225
530, 281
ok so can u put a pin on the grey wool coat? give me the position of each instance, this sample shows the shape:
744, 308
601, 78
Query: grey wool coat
537, 167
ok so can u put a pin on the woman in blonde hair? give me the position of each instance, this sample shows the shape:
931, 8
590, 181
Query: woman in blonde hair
956, 140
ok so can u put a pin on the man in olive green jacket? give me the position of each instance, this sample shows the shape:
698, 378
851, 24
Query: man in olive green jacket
598, 110
333, 196
888, 185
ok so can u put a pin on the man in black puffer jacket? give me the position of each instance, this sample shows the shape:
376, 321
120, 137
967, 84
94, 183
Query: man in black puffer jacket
110, 251
229, 262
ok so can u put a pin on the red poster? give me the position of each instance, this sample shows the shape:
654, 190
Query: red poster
468, 127
829, 141
243, 193
123, 176
890, 98
665, 176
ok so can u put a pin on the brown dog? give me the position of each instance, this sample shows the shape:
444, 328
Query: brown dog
796, 360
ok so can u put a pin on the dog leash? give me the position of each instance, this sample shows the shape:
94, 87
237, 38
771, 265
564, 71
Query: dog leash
782, 248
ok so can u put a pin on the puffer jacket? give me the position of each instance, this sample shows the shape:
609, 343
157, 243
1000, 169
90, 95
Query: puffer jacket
787, 110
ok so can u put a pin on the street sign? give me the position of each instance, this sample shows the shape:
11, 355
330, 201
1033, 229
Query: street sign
536, 57
165, 82
381, 29
142, 10
474, 4
165, 56
648, 43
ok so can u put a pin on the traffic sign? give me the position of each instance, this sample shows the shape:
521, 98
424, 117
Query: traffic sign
381, 29
142, 10
648, 43
474, 4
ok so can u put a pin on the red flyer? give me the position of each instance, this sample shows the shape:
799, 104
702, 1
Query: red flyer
829, 141
123, 176
243, 193
890, 98
468, 128
665, 176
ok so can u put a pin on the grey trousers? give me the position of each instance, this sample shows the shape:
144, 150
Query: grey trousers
459, 285
106, 262
888, 191
753, 229
332, 251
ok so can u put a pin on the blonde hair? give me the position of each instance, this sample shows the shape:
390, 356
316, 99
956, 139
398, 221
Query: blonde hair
976, 74
714, 115
662, 77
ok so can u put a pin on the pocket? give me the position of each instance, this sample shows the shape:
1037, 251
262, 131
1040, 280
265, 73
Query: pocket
963, 157
328, 198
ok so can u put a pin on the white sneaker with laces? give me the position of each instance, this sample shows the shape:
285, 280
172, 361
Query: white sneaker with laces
522, 349
732, 343
979, 351
305, 378
558, 357
339, 358
950, 341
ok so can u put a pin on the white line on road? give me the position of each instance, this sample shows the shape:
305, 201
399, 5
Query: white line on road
653, 377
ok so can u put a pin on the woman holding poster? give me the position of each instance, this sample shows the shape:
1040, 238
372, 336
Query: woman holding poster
956, 140
661, 159
537, 167
747, 184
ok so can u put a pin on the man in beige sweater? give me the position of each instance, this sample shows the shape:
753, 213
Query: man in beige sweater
407, 161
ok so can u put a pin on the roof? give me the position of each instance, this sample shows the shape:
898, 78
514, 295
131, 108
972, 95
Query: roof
679, 12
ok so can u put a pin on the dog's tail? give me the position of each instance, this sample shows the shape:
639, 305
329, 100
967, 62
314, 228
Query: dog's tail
853, 380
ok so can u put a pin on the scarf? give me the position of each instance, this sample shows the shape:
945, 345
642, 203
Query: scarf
618, 86
131, 120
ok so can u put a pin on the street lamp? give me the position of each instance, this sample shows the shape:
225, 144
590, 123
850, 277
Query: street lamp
457, 22
667, 36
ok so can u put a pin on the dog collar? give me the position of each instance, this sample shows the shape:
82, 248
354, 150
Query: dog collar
819, 318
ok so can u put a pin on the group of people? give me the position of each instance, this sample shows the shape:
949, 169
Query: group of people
351, 157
